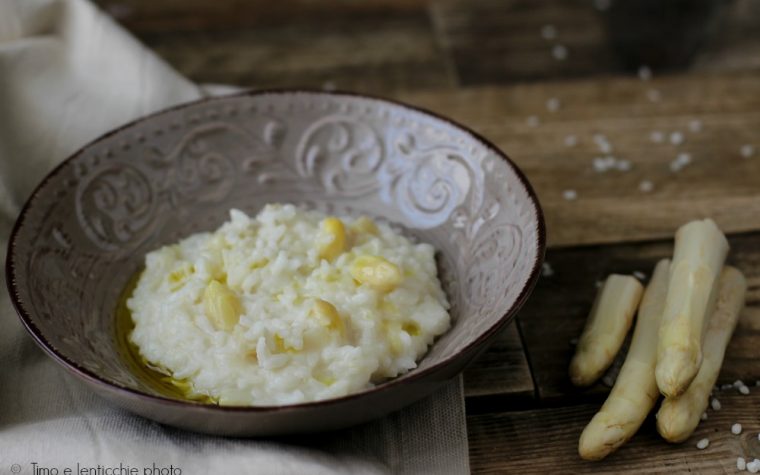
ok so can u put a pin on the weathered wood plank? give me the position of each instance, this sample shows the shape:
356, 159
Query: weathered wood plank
150, 16
557, 310
737, 45
502, 370
488, 41
546, 441
497, 41
610, 207
370, 55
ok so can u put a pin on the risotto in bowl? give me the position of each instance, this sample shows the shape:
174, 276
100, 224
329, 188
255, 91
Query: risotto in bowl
289, 307
275, 262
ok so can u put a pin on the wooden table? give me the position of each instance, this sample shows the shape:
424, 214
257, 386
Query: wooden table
486, 64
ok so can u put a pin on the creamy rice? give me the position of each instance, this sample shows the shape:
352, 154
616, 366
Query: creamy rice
287, 307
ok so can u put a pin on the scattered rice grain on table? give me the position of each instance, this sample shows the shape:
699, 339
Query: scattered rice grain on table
570, 195
695, 125
676, 138
549, 32
559, 52
645, 186
547, 270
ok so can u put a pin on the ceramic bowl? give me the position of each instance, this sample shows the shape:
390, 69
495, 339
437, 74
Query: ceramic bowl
87, 227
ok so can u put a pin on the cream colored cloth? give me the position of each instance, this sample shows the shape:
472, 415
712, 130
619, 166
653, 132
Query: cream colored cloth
67, 75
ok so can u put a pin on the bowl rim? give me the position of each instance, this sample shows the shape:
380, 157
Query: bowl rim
412, 376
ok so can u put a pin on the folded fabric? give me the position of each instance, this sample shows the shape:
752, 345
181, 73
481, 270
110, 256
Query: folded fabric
68, 74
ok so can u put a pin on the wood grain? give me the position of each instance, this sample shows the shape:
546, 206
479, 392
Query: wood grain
737, 46
171, 16
502, 370
557, 310
376, 55
497, 41
546, 440
486, 41
610, 207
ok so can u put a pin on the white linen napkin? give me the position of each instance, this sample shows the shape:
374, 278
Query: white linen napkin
68, 74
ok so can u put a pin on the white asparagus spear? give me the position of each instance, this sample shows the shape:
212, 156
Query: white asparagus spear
679, 416
700, 251
608, 323
635, 391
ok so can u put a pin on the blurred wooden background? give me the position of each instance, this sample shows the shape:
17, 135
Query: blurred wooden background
381, 46
550, 82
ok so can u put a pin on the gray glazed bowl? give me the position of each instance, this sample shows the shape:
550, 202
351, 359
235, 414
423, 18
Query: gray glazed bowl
85, 229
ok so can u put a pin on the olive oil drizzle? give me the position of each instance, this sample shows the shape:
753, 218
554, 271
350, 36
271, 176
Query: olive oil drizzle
155, 377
